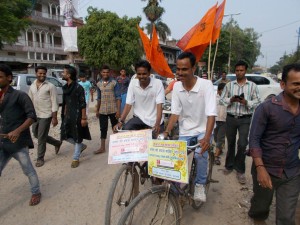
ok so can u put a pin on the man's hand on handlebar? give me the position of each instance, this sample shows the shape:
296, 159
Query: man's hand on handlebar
117, 127
204, 144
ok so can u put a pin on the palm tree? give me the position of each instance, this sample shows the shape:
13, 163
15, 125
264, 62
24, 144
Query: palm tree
153, 12
162, 29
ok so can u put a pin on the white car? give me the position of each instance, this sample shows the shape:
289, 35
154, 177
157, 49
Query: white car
267, 87
22, 82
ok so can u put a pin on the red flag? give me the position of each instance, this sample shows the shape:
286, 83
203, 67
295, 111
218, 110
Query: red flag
201, 33
158, 60
198, 51
146, 43
218, 22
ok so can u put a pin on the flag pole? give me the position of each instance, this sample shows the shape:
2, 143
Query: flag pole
213, 65
208, 66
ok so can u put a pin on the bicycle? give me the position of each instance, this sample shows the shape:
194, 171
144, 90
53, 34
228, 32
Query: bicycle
163, 204
124, 188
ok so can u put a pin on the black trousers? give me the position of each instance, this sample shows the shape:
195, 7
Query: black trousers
234, 125
136, 123
103, 120
287, 192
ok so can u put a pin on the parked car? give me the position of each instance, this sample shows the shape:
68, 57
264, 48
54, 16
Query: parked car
267, 87
22, 82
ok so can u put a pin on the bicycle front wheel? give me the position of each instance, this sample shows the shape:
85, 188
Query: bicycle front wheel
152, 207
124, 187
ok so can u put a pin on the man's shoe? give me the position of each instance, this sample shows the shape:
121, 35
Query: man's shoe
199, 194
226, 171
57, 148
241, 178
35, 199
84, 146
75, 163
39, 163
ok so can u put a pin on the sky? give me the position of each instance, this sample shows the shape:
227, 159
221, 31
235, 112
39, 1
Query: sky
277, 21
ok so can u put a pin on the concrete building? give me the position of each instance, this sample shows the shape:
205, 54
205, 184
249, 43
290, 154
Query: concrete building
41, 42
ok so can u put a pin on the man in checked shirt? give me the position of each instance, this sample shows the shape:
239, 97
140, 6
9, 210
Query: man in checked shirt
241, 98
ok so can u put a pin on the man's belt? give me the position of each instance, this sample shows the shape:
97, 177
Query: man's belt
239, 117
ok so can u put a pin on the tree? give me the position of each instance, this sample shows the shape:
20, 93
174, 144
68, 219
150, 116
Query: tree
284, 60
162, 29
13, 19
109, 39
244, 45
154, 13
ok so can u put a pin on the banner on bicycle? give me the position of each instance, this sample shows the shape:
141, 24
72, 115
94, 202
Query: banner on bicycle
168, 160
130, 146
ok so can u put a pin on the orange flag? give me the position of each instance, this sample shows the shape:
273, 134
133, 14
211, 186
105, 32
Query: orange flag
218, 22
158, 60
146, 43
198, 51
201, 33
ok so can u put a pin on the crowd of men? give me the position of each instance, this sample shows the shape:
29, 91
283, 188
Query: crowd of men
270, 128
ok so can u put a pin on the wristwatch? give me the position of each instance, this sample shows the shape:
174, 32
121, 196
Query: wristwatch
121, 121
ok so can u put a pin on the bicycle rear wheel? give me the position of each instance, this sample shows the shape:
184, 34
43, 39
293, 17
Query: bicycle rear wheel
124, 187
198, 204
155, 206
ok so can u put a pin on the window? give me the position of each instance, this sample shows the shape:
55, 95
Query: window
56, 83
30, 80
259, 80
14, 81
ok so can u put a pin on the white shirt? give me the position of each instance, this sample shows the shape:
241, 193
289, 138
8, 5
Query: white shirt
145, 101
194, 106
44, 99
221, 109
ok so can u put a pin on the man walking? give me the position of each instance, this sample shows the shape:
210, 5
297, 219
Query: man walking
88, 91
194, 106
241, 98
108, 104
74, 127
274, 146
43, 94
16, 115
123, 82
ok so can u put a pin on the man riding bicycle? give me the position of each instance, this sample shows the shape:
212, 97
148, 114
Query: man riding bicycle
194, 106
146, 96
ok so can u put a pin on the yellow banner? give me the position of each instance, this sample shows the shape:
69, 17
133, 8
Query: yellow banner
168, 160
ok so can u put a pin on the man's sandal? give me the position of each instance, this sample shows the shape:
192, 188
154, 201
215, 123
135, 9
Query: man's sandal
35, 199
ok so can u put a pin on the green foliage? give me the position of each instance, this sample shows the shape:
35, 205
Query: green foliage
285, 60
13, 19
109, 39
244, 45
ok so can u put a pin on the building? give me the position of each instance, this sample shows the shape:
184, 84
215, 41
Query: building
41, 42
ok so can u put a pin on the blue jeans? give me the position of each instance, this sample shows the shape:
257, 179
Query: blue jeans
123, 101
22, 156
201, 160
77, 148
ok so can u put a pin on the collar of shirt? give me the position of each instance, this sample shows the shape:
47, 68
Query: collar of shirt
235, 82
279, 100
137, 84
108, 81
195, 89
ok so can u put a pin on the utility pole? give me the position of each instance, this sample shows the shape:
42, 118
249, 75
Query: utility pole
230, 38
298, 49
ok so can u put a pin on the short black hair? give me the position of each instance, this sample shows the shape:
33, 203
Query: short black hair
82, 75
189, 55
221, 86
144, 64
224, 72
6, 69
288, 68
105, 67
40, 68
72, 71
241, 63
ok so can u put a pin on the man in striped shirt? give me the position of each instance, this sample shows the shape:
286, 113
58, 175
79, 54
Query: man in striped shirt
241, 98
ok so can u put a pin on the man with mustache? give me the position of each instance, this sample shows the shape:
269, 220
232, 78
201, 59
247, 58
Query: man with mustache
274, 146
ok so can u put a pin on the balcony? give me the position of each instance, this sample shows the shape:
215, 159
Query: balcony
46, 18
44, 48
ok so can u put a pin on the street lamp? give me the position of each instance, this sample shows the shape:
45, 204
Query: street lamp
230, 37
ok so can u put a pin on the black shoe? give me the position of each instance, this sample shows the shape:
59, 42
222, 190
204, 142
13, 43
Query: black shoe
39, 163
57, 148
